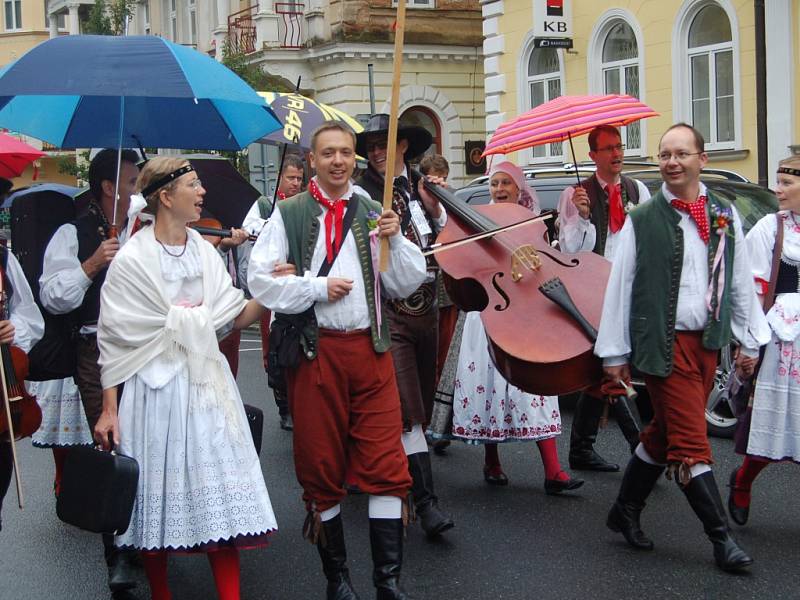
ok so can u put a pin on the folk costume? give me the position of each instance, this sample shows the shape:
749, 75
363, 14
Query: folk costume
343, 393
609, 204
680, 289
181, 417
413, 320
28, 329
489, 410
769, 430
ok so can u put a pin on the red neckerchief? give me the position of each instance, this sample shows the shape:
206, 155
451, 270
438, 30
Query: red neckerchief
616, 212
333, 218
281, 195
697, 211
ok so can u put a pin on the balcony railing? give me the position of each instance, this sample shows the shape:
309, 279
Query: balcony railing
242, 30
290, 26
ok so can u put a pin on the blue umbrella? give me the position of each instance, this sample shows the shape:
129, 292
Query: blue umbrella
104, 91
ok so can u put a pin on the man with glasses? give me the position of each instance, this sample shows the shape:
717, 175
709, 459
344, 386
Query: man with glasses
591, 217
680, 290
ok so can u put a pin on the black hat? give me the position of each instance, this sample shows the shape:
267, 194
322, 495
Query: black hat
419, 138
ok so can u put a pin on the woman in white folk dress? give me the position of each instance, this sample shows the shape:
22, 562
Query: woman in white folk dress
166, 296
486, 408
770, 429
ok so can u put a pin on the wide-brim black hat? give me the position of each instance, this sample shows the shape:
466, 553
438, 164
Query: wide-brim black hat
419, 138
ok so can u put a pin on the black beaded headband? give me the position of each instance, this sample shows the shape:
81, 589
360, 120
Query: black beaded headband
166, 179
788, 171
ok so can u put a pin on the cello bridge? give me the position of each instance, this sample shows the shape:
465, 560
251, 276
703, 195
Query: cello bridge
524, 257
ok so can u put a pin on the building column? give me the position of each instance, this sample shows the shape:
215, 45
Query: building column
267, 29
53, 22
493, 49
74, 21
780, 83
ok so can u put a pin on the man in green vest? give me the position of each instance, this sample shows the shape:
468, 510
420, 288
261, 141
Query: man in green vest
680, 289
342, 392
590, 218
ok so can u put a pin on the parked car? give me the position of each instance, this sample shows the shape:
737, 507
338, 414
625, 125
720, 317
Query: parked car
752, 203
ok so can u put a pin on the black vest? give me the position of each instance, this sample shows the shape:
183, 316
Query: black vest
90, 235
598, 205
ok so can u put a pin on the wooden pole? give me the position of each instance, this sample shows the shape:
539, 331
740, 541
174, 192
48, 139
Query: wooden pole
391, 140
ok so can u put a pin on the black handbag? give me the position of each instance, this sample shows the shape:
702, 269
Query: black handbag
98, 490
255, 419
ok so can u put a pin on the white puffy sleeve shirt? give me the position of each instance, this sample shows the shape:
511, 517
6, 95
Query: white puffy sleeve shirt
23, 312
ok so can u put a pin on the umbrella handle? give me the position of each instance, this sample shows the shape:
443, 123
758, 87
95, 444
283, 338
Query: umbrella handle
283, 157
574, 160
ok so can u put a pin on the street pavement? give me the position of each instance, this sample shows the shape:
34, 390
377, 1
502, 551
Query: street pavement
511, 543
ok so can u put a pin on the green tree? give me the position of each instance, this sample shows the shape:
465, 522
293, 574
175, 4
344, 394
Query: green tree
108, 17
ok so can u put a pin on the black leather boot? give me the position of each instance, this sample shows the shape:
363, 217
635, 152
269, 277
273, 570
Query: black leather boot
637, 483
121, 569
585, 423
703, 496
332, 551
386, 539
433, 520
738, 514
627, 422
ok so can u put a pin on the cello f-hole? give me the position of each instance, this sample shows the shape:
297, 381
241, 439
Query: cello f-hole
500, 291
573, 262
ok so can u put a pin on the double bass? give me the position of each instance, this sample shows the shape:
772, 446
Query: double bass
540, 307
20, 416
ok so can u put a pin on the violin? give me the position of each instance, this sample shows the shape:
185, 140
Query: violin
21, 415
539, 307
212, 230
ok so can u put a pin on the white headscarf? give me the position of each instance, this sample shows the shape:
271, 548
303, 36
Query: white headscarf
526, 198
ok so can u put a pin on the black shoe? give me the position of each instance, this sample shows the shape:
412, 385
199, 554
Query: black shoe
494, 475
591, 461
121, 573
386, 540
738, 514
333, 553
637, 483
552, 487
286, 422
440, 447
703, 496
433, 521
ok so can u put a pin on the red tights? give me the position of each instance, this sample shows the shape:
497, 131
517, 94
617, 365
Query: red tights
747, 473
224, 565
548, 451
59, 456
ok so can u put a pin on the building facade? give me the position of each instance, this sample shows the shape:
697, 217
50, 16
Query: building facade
690, 60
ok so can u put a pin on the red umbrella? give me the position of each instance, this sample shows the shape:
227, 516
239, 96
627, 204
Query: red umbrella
15, 156
563, 118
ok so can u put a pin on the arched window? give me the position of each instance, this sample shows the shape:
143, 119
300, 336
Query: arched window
427, 119
710, 52
544, 84
620, 69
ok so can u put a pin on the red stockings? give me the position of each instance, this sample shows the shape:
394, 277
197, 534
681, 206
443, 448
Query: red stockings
552, 466
225, 566
155, 567
749, 470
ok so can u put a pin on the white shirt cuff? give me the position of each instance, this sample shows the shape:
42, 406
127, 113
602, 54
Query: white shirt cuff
615, 361
320, 286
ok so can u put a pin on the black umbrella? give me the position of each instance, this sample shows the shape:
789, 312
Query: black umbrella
228, 194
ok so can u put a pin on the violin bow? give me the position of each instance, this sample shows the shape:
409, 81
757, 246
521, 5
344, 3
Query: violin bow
7, 407
436, 248
391, 139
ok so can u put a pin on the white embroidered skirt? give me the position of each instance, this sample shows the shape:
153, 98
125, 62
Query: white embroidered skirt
486, 408
198, 485
63, 420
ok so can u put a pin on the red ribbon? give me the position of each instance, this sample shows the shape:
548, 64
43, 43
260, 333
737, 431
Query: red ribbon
616, 212
697, 211
333, 219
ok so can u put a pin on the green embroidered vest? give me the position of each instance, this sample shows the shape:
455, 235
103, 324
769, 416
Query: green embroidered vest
301, 220
654, 297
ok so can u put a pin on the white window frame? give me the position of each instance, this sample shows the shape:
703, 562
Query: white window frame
681, 56
173, 19
193, 33
14, 26
596, 67
146, 17
524, 99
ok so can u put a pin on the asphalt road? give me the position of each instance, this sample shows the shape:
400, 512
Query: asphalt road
512, 543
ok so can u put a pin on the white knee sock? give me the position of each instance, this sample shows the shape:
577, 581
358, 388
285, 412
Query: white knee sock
327, 515
698, 469
643, 454
414, 440
385, 507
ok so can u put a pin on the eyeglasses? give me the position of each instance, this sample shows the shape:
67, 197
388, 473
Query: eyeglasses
376, 145
614, 148
665, 157
196, 183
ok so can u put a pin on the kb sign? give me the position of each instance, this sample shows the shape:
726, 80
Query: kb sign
552, 18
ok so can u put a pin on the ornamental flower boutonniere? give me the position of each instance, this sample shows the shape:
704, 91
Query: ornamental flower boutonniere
721, 220
628, 207
372, 220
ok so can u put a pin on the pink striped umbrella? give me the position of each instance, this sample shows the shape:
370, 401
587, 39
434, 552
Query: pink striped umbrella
565, 117
15, 155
